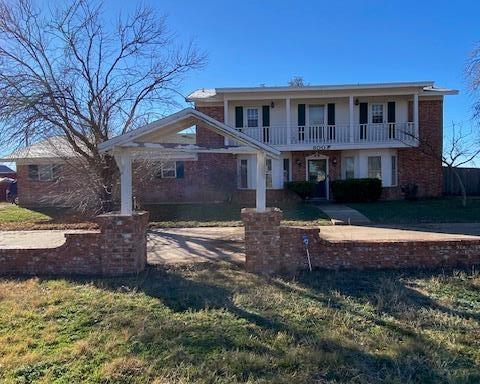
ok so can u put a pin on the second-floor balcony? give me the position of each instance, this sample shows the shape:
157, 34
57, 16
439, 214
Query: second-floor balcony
372, 134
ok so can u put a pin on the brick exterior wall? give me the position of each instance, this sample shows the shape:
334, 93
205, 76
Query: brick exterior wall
119, 248
271, 249
42, 193
418, 165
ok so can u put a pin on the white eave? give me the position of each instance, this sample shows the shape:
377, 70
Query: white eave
218, 94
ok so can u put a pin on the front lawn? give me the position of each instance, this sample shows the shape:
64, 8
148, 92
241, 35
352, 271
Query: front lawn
213, 215
13, 217
218, 324
444, 210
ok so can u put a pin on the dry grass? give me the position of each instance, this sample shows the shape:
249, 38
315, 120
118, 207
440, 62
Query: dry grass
218, 324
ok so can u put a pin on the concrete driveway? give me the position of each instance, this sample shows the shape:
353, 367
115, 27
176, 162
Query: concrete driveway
193, 245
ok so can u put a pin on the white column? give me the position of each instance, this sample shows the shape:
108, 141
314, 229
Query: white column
124, 163
415, 116
289, 120
225, 118
261, 182
350, 115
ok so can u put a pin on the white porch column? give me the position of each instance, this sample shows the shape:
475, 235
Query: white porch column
415, 116
261, 182
289, 120
350, 115
225, 118
124, 163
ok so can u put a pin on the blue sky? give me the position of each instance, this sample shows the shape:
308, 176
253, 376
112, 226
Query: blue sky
329, 42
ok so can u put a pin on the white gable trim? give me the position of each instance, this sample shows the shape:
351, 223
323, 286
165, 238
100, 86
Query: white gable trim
190, 116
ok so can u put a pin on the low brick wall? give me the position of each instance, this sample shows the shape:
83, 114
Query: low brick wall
271, 248
373, 254
118, 248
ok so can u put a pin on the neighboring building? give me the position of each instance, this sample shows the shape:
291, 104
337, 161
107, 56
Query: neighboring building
323, 132
6, 173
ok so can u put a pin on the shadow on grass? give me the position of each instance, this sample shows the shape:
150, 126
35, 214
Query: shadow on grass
414, 362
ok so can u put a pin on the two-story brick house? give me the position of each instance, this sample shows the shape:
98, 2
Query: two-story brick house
390, 131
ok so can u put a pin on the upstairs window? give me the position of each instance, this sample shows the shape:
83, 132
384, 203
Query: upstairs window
375, 167
43, 172
377, 113
252, 117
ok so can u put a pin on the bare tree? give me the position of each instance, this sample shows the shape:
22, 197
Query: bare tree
473, 78
70, 72
297, 81
459, 148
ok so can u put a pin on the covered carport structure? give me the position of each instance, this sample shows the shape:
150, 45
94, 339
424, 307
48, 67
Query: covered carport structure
146, 141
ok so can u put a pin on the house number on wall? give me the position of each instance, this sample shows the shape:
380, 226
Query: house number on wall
320, 147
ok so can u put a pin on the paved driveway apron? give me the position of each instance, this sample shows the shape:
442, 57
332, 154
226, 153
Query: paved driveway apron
193, 245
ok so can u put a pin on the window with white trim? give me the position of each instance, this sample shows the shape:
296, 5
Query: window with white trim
43, 172
170, 169
394, 171
268, 173
375, 167
252, 117
377, 113
243, 174
349, 167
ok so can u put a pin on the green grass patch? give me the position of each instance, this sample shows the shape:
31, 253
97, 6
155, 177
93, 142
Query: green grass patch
218, 324
445, 210
10, 213
213, 215
13, 217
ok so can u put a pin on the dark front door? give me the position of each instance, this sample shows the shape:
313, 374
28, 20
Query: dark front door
317, 172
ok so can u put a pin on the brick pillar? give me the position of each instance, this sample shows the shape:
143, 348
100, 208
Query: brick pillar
262, 240
123, 248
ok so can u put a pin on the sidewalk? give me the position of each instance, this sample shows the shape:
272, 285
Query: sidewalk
342, 215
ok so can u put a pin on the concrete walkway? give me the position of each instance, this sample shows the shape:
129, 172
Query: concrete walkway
394, 234
340, 214
35, 239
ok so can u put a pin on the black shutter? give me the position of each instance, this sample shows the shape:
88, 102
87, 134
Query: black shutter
238, 117
266, 116
391, 112
180, 169
363, 113
331, 114
301, 114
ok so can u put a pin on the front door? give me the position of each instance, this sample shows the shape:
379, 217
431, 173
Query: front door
317, 172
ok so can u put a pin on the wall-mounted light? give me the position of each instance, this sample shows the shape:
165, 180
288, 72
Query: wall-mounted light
357, 102
272, 105
298, 162
334, 161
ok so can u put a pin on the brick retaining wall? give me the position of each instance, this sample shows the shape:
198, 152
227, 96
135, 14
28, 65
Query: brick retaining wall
271, 248
118, 248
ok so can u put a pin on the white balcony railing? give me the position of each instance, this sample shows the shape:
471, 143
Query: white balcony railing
385, 133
